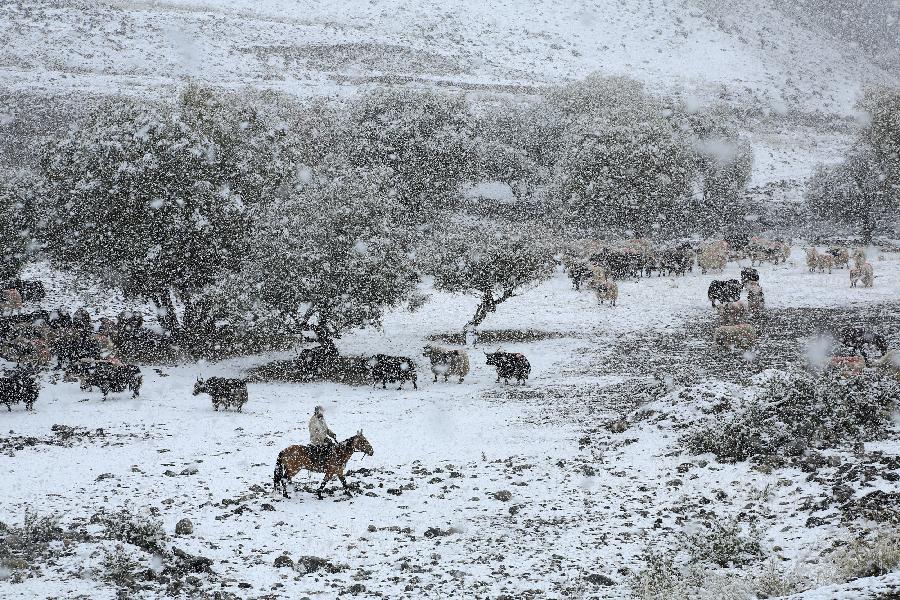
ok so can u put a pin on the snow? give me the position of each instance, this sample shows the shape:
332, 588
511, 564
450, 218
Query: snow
496, 437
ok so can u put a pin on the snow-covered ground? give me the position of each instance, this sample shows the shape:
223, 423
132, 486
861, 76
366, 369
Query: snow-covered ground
476, 489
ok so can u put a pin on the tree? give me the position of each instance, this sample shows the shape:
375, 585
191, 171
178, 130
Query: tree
19, 190
494, 265
851, 193
624, 163
160, 198
864, 189
332, 254
423, 139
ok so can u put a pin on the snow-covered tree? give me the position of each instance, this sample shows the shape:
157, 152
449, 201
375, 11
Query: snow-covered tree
19, 191
864, 189
160, 198
491, 263
333, 254
625, 161
423, 139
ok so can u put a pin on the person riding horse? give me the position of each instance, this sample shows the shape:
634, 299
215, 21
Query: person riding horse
321, 437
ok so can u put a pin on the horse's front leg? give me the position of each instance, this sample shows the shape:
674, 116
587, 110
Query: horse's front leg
325, 481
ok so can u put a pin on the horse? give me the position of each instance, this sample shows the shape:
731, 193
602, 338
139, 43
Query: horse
294, 458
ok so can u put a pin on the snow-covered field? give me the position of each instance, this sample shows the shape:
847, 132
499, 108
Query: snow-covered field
476, 489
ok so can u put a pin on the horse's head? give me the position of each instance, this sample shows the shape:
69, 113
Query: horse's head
198, 387
361, 444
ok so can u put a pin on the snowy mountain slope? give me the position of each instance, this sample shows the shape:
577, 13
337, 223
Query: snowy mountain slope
737, 51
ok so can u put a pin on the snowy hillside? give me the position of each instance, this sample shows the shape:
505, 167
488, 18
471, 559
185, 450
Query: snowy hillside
748, 52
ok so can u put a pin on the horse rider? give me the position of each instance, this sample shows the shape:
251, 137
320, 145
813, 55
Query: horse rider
321, 437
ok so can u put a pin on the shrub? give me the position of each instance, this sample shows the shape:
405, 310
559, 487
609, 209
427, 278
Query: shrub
119, 568
868, 557
142, 531
724, 543
29, 541
794, 412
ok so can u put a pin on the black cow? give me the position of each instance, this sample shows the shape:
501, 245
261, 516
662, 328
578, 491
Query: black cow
392, 368
224, 392
749, 274
21, 386
859, 339
110, 377
724, 291
509, 365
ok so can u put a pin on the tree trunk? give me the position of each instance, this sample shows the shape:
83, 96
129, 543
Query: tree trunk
166, 315
487, 306
868, 228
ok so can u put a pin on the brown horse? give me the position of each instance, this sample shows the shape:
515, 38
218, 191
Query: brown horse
294, 458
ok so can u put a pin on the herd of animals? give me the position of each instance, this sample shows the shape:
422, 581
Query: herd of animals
88, 354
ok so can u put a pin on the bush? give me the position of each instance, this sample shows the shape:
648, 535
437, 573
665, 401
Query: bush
142, 531
868, 557
348, 370
795, 412
29, 541
119, 568
724, 543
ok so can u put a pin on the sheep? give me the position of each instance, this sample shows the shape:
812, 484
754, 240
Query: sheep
711, 258
890, 362
738, 336
755, 298
841, 256
862, 272
733, 313
447, 362
606, 290
10, 300
814, 261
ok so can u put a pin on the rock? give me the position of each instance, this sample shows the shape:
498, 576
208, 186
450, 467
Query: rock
437, 532
190, 563
103, 476
618, 426
244, 585
266, 506
502, 495
356, 588
394, 491
371, 529
190, 471
311, 564
169, 473
184, 527
514, 509
284, 561
684, 467
598, 579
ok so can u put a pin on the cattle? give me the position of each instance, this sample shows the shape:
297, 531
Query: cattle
724, 291
447, 362
11, 301
224, 392
676, 261
509, 365
579, 271
861, 339
387, 368
760, 250
749, 274
862, 272
840, 256
110, 376
738, 336
20, 386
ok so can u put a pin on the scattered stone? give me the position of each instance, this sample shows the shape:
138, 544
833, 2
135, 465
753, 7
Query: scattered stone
356, 588
284, 561
184, 527
437, 532
502, 495
619, 426
598, 579
190, 471
311, 564
267, 506
394, 491
103, 476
